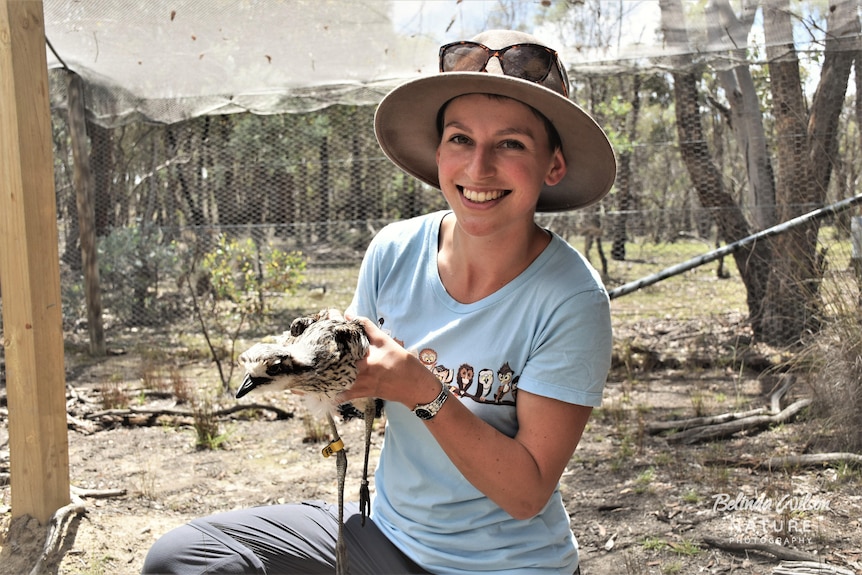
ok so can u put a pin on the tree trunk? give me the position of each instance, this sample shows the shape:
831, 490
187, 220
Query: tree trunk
102, 154
724, 28
752, 260
188, 203
86, 212
72, 252
624, 179
805, 146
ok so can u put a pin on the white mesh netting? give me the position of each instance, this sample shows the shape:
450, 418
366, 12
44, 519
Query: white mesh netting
169, 60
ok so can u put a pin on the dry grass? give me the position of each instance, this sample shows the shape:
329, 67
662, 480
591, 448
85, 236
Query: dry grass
833, 360
112, 396
208, 433
316, 429
695, 294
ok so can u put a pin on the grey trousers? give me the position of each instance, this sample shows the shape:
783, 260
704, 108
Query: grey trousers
276, 540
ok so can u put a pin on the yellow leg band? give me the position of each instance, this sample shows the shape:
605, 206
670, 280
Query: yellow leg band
333, 447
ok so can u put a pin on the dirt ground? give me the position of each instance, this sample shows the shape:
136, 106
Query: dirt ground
639, 504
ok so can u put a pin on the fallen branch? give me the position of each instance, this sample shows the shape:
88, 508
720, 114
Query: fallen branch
683, 424
96, 493
810, 460
732, 461
809, 568
729, 428
777, 551
169, 412
61, 517
686, 424
775, 400
79, 425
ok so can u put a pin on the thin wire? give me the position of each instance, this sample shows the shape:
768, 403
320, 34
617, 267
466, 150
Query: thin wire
65, 67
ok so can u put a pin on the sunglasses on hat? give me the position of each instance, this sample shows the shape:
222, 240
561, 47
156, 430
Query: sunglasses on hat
532, 62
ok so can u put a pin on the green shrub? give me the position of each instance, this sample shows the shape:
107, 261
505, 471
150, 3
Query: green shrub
240, 274
132, 262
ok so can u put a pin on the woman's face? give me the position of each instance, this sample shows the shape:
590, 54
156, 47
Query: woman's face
493, 159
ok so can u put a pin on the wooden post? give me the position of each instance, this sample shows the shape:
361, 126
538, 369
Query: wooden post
30, 269
856, 250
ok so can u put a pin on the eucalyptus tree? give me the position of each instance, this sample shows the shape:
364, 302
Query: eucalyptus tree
781, 278
806, 150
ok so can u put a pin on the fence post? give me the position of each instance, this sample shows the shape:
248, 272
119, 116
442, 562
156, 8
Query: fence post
856, 248
30, 268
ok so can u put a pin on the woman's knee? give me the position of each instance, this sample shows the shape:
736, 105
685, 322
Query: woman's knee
162, 556
188, 550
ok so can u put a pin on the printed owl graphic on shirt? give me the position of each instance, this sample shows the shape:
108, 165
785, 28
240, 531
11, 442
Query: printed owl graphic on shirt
428, 357
492, 388
464, 380
507, 379
444, 374
486, 383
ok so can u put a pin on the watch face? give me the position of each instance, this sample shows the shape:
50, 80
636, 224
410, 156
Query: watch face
423, 413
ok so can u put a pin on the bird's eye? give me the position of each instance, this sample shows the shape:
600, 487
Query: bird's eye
274, 369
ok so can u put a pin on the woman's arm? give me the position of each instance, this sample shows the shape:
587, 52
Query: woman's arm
519, 473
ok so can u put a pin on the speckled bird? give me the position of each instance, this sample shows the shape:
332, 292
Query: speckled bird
318, 358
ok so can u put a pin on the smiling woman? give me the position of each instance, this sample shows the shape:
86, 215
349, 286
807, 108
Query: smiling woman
494, 153
468, 476
407, 121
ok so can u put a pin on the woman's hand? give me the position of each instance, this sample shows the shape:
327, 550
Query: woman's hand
390, 372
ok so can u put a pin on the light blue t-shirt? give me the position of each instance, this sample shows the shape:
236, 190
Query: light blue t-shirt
547, 331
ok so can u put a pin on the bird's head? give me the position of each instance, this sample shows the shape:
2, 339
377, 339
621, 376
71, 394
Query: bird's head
271, 366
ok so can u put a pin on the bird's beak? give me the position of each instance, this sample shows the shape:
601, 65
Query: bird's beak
250, 383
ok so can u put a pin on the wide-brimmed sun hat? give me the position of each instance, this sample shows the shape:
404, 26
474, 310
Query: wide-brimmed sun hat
406, 119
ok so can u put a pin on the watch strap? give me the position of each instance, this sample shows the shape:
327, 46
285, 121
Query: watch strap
426, 411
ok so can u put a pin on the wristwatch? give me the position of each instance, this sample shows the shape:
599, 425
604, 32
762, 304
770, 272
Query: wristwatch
427, 411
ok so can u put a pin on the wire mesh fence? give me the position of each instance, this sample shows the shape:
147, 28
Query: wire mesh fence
271, 215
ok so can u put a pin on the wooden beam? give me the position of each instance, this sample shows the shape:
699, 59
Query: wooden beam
30, 269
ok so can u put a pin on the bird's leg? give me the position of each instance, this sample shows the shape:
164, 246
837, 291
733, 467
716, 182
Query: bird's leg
341, 465
364, 492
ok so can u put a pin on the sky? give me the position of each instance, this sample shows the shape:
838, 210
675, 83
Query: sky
443, 21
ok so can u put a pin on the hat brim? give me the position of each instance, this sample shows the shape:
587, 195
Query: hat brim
406, 129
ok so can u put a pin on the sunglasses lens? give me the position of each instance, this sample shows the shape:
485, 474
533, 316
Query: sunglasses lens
463, 57
528, 62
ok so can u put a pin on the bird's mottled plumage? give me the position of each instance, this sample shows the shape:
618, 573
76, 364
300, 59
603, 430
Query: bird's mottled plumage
318, 357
